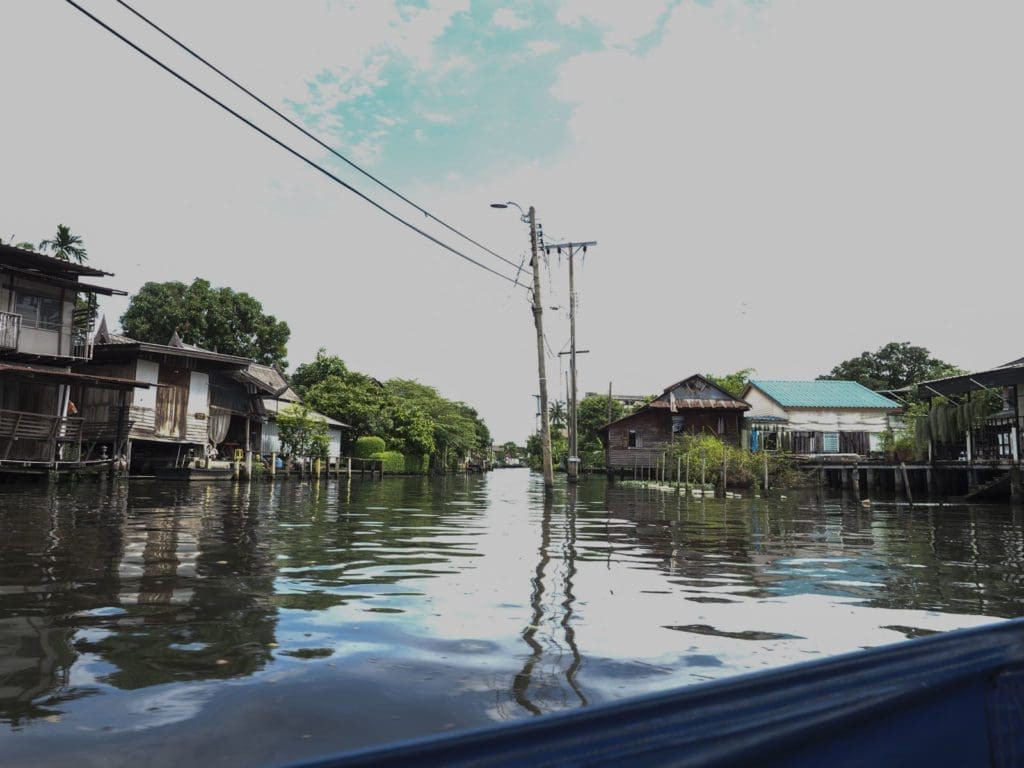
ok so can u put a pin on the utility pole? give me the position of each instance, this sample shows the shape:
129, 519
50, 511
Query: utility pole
545, 422
574, 459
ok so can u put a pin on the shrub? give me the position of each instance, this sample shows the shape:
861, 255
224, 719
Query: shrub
367, 446
394, 462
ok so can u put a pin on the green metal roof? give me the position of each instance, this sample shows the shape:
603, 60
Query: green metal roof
823, 394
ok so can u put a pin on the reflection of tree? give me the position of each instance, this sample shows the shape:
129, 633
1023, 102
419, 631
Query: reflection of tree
534, 688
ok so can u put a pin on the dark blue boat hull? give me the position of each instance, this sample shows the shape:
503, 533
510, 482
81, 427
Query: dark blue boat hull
955, 699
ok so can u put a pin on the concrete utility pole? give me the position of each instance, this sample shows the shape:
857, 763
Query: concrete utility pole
574, 459
538, 311
545, 423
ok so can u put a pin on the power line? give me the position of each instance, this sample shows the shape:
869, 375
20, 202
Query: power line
309, 135
286, 147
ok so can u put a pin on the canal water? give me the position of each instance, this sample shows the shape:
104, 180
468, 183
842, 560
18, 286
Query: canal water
157, 624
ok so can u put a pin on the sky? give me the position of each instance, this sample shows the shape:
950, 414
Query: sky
772, 184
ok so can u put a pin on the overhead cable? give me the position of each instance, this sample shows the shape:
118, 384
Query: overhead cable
288, 148
309, 135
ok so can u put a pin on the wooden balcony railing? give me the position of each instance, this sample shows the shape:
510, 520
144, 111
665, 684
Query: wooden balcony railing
38, 438
10, 331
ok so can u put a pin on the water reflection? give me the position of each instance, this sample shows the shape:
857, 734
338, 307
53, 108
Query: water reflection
349, 613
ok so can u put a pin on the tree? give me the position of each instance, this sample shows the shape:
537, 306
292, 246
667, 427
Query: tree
65, 246
557, 415
892, 366
733, 383
213, 318
592, 414
301, 433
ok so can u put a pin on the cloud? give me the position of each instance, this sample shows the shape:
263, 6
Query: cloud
437, 118
621, 24
541, 47
506, 18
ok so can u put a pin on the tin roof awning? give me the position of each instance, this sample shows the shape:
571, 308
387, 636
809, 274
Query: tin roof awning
71, 377
1002, 376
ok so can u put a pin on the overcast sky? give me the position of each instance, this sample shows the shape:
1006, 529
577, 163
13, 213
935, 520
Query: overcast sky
777, 184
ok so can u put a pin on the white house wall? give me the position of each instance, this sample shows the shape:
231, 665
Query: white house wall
761, 405
821, 420
197, 423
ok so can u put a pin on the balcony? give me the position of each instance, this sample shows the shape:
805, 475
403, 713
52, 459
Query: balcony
10, 331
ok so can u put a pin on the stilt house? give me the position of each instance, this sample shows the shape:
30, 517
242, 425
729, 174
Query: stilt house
44, 333
691, 406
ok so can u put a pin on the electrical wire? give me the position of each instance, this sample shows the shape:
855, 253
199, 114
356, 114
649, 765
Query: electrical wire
288, 148
309, 135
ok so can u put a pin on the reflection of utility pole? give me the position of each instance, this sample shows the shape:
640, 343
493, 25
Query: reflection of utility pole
574, 459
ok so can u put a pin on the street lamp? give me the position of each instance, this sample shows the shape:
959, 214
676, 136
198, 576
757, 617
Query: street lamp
545, 423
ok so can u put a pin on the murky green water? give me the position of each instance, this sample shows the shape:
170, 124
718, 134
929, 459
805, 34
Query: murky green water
248, 625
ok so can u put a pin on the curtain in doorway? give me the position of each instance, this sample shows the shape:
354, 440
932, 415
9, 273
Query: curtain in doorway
219, 422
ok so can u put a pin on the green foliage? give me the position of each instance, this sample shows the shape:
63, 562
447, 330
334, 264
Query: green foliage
592, 414
417, 464
369, 445
65, 246
892, 366
394, 461
301, 433
557, 415
212, 318
733, 383
743, 468
413, 418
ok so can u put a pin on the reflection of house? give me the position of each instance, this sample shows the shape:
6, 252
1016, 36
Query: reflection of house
998, 437
42, 334
691, 406
814, 417
196, 400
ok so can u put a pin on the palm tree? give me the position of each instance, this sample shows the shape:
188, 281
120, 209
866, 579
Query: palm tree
65, 246
556, 415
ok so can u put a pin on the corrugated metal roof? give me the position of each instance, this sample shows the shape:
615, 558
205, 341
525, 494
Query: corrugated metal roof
699, 403
823, 394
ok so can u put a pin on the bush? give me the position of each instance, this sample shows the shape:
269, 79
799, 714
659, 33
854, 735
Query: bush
367, 447
745, 468
394, 462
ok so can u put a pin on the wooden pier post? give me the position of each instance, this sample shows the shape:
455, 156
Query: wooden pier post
897, 483
679, 470
855, 481
725, 470
703, 470
906, 484
1016, 487
869, 480
348, 467
273, 463
764, 491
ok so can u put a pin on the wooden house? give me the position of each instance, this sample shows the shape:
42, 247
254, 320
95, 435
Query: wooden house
816, 417
691, 406
195, 404
42, 337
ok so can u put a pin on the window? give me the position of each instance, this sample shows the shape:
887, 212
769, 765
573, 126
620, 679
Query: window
770, 441
678, 422
721, 425
38, 311
830, 442
631, 439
